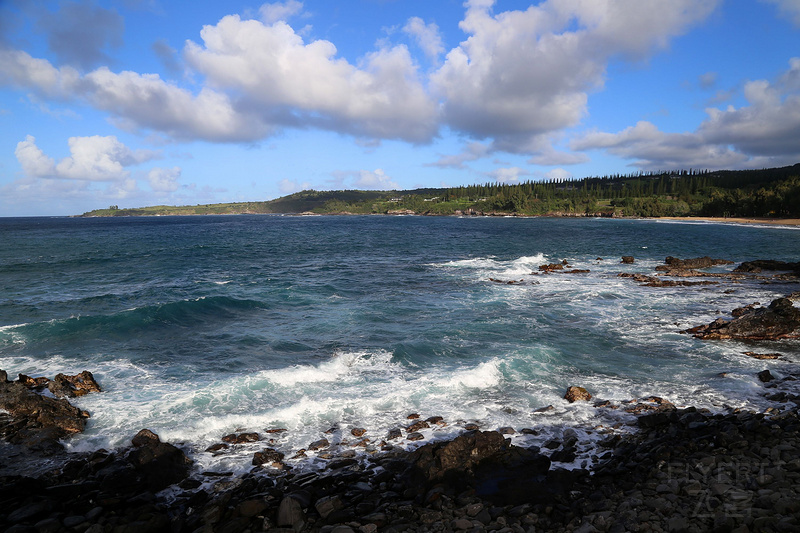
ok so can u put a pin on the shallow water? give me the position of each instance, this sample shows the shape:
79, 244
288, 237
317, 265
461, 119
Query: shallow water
201, 326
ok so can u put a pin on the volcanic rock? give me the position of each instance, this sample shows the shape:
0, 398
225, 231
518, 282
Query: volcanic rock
160, 463
40, 420
781, 320
757, 266
627, 259
64, 386
575, 394
671, 263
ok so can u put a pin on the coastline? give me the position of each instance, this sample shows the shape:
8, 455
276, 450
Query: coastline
685, 469
735, 220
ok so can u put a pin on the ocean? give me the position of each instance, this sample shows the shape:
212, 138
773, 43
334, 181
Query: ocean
197, 327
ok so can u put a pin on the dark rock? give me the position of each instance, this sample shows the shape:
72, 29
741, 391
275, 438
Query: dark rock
691, 264
394, 433
781, 320
575, 394
551, 267
267, 455
765, 376
241, 438
438, 420
217, 447
507, 430
627, 259
416, 426
319, 444
161, 464
40, 421
65, 386
33, 383
413, 416
414, 436
767, 264
358, 432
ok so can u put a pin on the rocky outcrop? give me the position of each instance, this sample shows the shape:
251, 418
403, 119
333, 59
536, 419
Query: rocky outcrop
37, 421
652, 281
760, 265
673, 263
781, 320
63, 386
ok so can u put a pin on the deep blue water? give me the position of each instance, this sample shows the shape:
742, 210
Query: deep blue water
200, 326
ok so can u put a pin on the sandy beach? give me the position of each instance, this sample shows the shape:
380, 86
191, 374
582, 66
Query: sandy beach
735, 220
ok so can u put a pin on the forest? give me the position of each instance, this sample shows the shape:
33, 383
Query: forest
764, 193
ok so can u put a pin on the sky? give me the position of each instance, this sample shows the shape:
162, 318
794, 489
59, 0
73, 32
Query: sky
149, 102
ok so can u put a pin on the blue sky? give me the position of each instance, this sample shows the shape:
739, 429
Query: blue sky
145, 102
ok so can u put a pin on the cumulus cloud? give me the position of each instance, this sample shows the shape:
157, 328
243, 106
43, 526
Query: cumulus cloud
427, 37
164, 179
273, 12
524, 74
80, 33
508, 174
93, 158
137, 101
766, 132
294, 83
375, 179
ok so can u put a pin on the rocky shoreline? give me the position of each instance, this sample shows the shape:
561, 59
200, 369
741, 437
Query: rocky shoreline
684, 469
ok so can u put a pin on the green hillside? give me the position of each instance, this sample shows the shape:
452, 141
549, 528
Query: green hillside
771, 193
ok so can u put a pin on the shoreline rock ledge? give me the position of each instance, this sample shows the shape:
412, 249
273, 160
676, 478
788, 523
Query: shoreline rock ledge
781, 320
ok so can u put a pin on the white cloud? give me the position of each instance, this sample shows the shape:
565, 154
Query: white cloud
287, 186
137, 101
33, 160
558, 174
93, 158
164, 179
376, 180
273, 12
524, 74
427, 37
788, 8
289, 82
766, 132
508, 175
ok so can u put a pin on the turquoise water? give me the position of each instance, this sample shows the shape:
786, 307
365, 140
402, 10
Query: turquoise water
200, 326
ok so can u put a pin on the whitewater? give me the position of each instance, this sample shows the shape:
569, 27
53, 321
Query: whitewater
198, 327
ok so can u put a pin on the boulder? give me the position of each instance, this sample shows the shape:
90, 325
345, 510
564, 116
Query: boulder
267, 456
483, 460
781, 320
627, 259
577, 394
159, 463
240, 438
